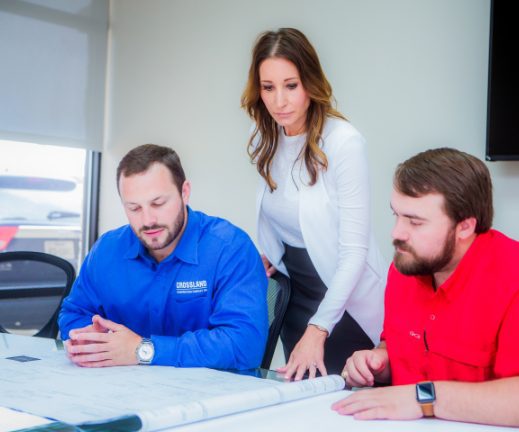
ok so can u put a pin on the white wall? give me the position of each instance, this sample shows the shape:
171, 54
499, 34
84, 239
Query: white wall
409, 74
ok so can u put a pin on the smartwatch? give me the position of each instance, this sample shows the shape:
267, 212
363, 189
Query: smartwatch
145, 351
426, 396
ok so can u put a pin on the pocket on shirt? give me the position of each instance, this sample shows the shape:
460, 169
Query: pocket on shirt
476, 361
463, 352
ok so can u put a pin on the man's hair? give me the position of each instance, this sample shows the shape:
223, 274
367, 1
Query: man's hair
462, 179
140, 159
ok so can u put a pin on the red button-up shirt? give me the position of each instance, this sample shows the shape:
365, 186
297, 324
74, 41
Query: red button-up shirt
466, 330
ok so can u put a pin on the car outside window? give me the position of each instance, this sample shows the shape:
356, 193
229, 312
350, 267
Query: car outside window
41, 214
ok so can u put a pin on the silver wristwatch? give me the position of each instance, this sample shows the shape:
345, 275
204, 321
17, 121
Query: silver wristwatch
145, 351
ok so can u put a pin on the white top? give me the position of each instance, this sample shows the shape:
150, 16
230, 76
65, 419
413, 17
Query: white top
334, 219
281, 206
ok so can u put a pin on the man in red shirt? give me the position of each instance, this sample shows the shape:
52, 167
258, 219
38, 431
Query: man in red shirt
449, 344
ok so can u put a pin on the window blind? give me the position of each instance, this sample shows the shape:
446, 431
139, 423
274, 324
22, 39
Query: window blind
52, 71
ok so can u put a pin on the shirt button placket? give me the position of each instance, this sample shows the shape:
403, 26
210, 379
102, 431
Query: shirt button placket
430, 326
156, 295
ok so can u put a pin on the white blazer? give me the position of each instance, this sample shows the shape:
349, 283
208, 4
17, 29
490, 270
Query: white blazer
334, 218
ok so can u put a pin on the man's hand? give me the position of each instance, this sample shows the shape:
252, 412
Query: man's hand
366, 366
308, 354
103, 343
391, 403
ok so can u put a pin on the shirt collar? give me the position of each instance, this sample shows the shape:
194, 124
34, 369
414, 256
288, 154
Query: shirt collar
187, 247
456, 281
134, 250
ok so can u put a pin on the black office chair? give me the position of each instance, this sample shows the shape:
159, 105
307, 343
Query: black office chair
278, 295
32, 288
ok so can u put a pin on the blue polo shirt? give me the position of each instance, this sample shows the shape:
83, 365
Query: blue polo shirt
204, 305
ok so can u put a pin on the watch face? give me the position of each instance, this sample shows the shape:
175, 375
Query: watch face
425, 392
146, 351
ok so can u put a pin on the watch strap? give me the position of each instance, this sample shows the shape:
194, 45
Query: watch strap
427, 409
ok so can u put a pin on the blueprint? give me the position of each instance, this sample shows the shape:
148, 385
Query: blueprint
36, 377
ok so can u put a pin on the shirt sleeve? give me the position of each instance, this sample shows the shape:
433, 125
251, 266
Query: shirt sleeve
506, 363
350, 175
391, 285
238, 325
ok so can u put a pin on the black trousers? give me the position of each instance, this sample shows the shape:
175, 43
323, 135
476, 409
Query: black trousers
307, 293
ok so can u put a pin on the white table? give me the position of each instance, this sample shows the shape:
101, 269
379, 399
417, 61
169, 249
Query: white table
315, 415
312, 414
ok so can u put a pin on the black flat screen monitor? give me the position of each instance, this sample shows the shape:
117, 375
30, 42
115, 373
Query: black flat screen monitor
503, 83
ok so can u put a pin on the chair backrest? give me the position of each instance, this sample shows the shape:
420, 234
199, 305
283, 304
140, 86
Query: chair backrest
32, 288
278, 295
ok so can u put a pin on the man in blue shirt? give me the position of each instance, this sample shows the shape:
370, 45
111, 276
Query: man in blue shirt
174, 287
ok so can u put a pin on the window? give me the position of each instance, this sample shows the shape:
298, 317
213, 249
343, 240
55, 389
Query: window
42, 196
52, 88
49, 200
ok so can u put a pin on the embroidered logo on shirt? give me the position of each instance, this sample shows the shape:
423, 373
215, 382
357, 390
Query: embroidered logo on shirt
192, 287
414, 334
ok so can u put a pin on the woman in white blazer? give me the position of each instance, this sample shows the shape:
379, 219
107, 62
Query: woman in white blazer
312, 207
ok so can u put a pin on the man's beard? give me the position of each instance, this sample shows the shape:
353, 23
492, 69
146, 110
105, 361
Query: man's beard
411, 264
172, 235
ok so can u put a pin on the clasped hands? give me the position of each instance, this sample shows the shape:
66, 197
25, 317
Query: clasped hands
103, 343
